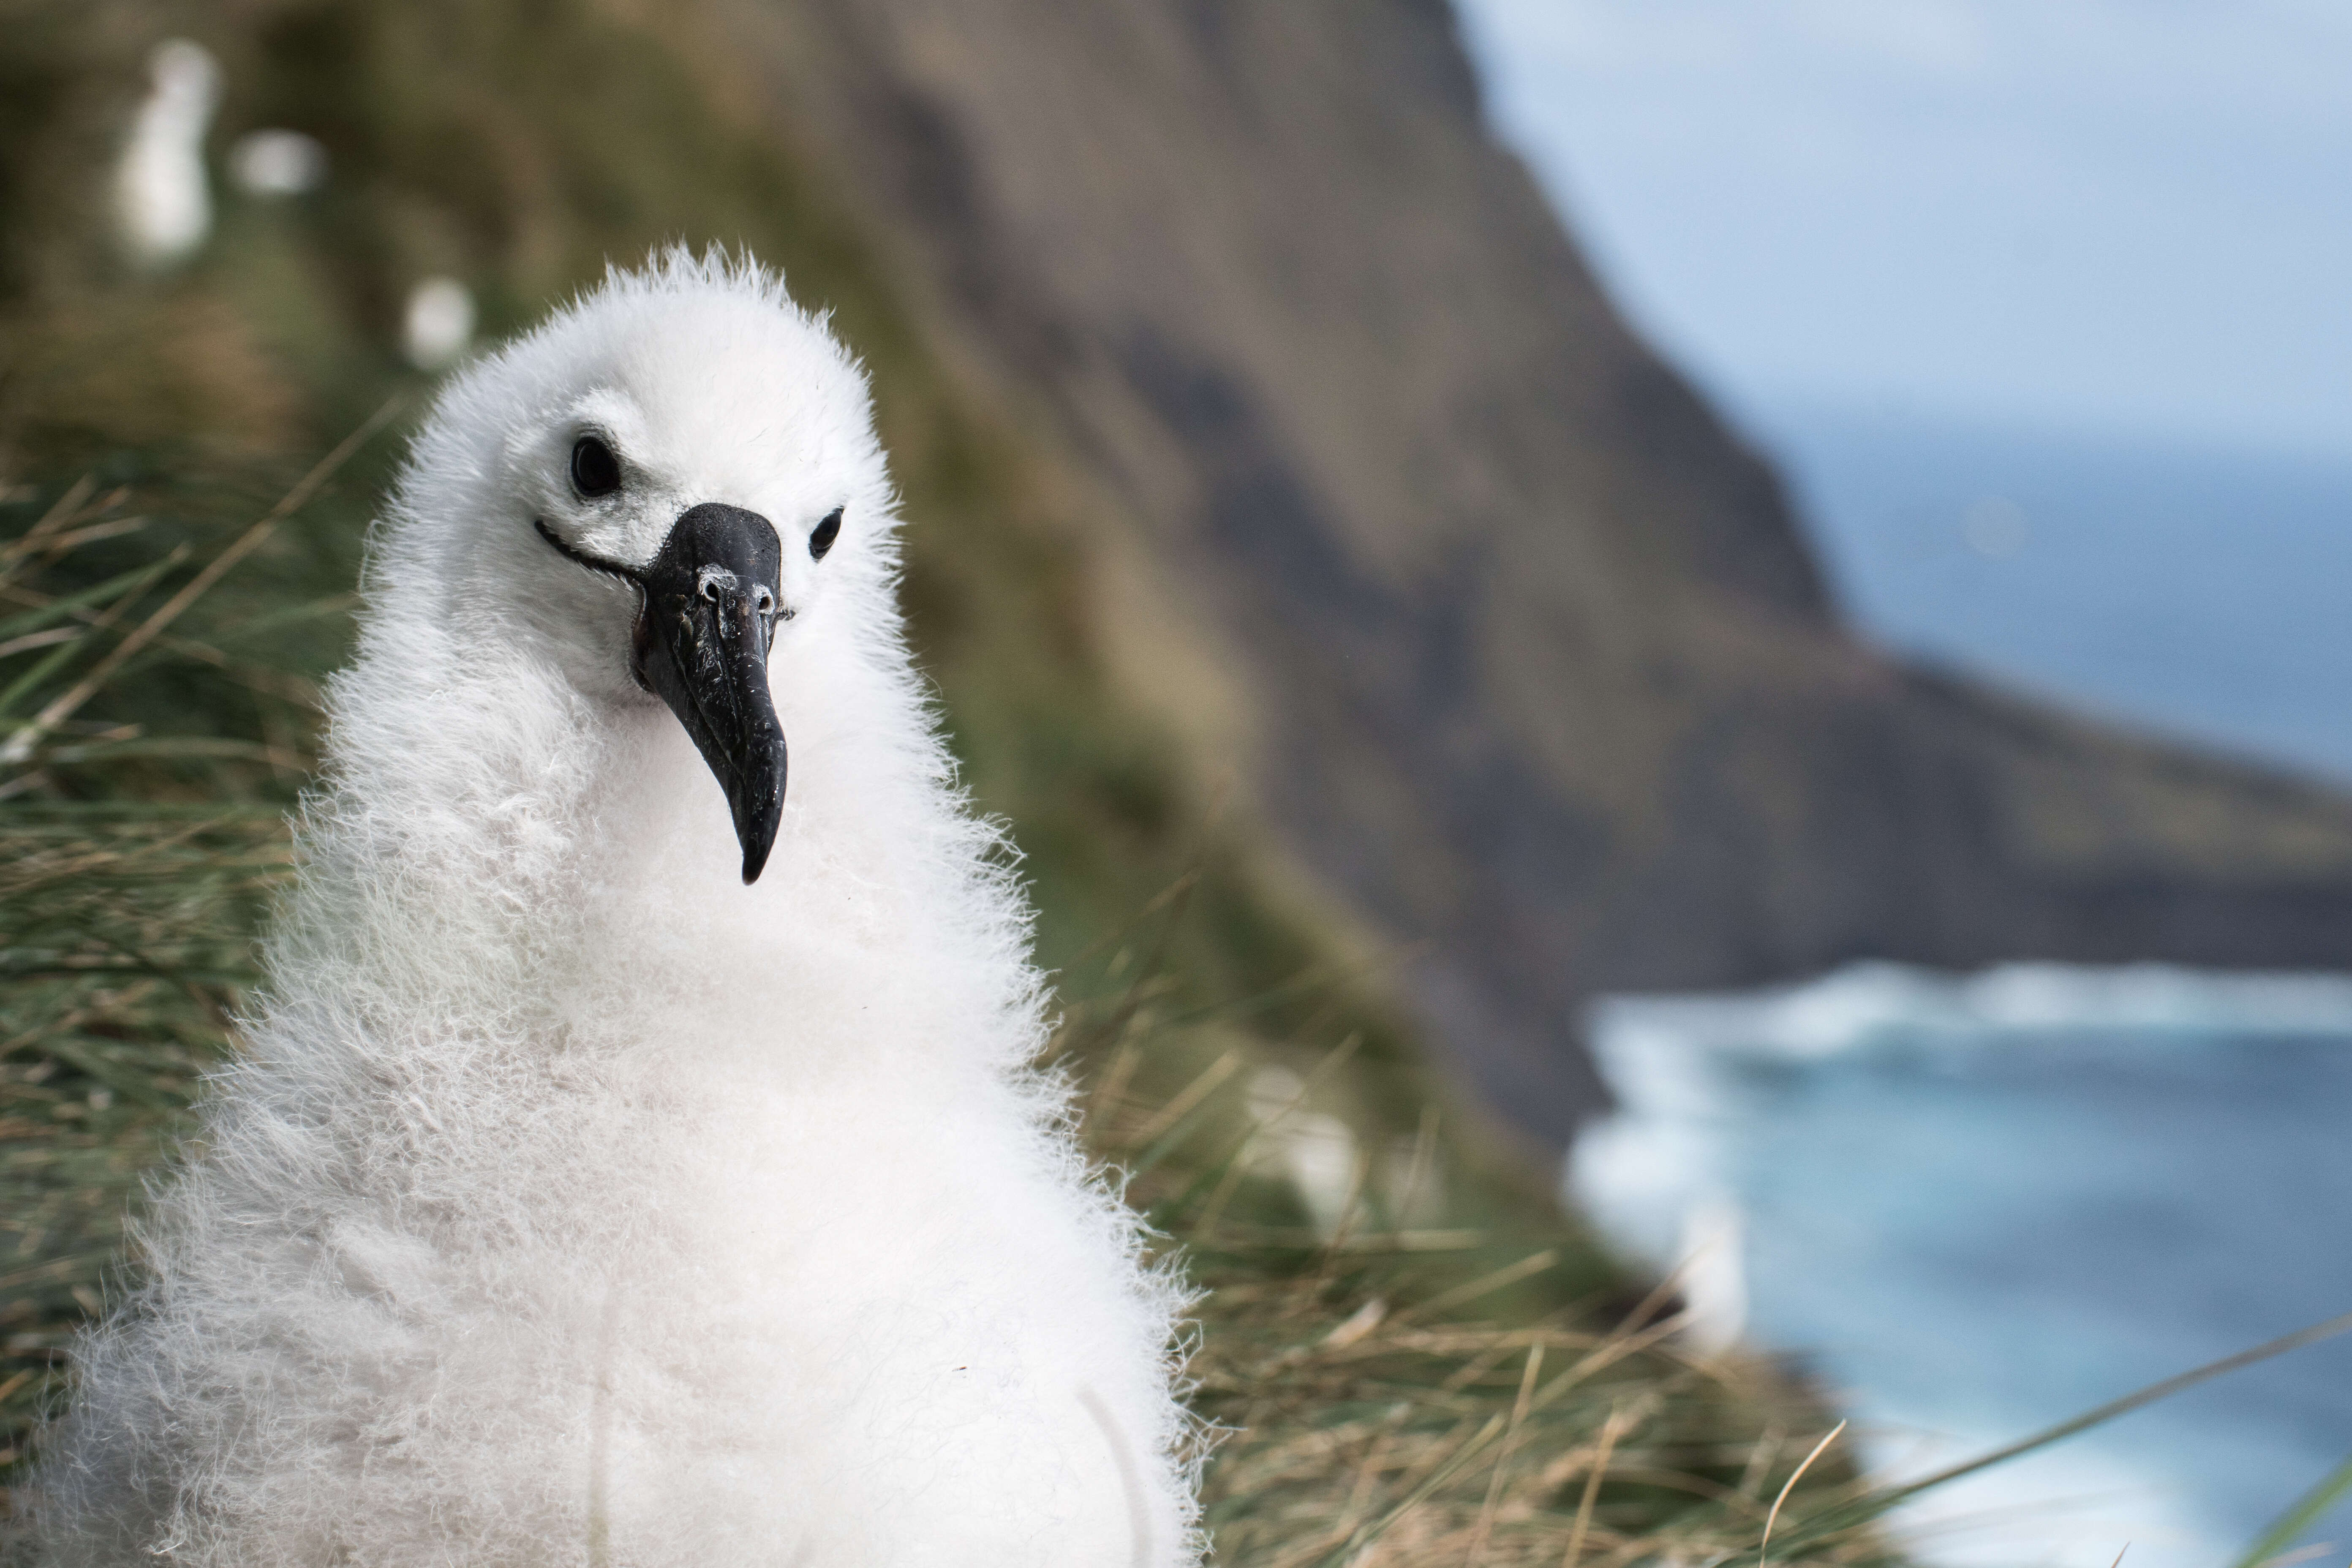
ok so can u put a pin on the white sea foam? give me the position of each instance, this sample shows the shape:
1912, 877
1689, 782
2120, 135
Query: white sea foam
2078, 1511
1902, 1174
1862, 1003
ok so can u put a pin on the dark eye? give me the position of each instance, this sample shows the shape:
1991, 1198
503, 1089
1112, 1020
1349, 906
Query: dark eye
596, 471
826, 532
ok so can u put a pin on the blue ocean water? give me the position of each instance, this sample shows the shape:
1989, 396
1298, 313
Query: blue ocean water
1979, 1206
2201, 592
1976, 1208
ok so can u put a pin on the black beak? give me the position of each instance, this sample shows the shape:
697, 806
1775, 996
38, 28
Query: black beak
706, 616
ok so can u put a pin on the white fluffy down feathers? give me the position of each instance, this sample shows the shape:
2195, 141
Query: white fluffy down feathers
570, 1202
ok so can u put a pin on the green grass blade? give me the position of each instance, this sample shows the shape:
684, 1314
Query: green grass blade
54, 660
132, 584
2131, 1402
1842, 1518
32, 620
2271, 1543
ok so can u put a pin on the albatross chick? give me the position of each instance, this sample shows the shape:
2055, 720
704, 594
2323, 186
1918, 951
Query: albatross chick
635, 1157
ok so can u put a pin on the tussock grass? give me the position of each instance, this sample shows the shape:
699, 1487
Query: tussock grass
1465, 1382
1439, 1369
1441, 1375
1447, 1376
127, 912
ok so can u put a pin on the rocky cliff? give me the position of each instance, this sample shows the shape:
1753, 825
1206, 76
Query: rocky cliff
1515, 646
1246, 392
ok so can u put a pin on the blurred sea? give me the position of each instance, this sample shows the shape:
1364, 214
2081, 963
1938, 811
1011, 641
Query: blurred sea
2200, 592
1979, 1206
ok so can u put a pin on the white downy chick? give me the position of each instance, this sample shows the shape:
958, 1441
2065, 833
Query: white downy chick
578, 1197
163, 199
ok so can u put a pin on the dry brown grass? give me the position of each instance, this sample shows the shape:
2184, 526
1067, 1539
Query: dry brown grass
1444, 1371
1471, 1387
1463, 1389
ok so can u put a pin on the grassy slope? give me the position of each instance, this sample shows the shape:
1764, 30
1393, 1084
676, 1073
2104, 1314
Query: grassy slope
517, 146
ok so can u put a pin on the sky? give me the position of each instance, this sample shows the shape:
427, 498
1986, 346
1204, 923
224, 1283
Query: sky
2126, 217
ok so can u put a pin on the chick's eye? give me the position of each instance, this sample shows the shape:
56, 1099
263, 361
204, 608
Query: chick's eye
826, 532
596, 471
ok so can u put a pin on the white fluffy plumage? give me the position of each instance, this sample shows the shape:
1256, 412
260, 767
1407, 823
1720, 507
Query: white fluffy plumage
571, 1202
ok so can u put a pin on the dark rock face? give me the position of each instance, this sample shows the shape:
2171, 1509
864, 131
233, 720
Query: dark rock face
1545, 681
